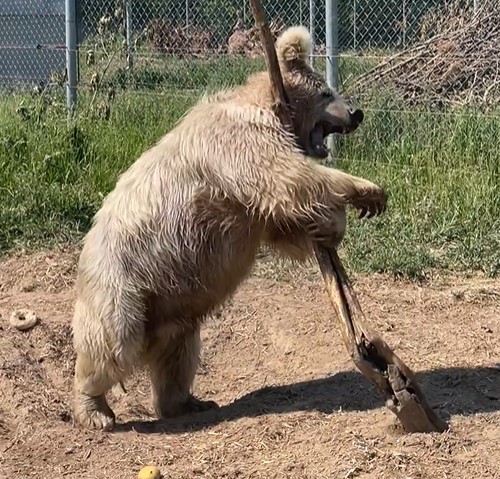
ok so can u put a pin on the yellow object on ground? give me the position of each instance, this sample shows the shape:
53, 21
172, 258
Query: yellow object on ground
149, 472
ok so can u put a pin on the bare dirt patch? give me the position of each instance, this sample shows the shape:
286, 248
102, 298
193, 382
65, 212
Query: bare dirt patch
292, 404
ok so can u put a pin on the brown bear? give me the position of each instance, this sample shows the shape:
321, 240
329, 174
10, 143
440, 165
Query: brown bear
180, 231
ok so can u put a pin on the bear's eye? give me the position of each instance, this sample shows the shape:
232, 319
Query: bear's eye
327, 93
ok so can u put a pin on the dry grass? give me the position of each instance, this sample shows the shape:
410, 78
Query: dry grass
456, 63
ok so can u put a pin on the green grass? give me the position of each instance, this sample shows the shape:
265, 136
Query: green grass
443, 176
53, 176
441, 169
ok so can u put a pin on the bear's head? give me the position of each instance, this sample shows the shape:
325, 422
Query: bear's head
317, 109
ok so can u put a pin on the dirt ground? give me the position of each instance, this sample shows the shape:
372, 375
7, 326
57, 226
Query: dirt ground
292, 404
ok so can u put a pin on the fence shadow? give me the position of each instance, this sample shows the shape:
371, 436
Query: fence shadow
453, 391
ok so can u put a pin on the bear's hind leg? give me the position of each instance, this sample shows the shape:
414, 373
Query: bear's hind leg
173, 363
92, 382
108, 333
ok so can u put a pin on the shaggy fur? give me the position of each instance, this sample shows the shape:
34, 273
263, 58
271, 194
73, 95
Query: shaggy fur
182, 227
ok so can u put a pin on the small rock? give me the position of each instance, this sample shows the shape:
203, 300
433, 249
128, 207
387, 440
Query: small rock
27, 287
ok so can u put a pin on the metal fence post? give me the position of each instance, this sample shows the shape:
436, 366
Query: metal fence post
355, 25
128, 20
71, 57
332, 56
404, 24
312, 27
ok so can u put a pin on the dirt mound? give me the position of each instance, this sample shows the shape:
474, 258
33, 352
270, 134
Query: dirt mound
246, 41
179, 40
292, 405
456, 63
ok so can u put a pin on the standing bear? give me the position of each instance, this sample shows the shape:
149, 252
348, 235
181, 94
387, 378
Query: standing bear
180, 231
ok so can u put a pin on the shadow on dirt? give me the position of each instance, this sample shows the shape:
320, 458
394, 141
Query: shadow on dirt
453, 391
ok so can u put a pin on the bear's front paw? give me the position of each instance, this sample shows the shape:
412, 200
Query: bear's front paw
370, 200
328, 231
326, 239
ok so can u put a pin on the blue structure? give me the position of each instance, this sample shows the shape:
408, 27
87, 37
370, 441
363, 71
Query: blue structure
32, 41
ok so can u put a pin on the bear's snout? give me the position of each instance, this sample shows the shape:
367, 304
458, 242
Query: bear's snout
357, 117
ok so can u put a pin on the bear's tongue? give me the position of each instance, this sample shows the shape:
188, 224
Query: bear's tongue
317, 144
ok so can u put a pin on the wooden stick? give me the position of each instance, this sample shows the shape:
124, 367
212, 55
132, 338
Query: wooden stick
273, 65
371, 355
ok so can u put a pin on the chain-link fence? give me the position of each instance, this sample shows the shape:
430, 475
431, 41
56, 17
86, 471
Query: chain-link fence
422, 52
427, 53
213, 43
392, 24
32, 42
182, 45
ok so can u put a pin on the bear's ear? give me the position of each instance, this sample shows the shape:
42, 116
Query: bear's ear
293, 47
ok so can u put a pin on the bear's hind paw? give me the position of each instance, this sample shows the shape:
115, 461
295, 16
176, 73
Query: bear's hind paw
193, 404
94, 413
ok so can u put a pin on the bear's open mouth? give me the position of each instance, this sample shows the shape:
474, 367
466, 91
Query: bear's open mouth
319, 133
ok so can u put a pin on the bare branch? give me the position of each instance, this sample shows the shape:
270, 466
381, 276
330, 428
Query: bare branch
370, 353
